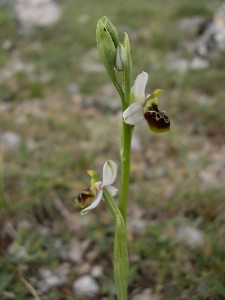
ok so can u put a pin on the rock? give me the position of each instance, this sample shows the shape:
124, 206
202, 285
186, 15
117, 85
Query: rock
83, 269
191, 23
86, 286
63, 270
190, 236
40, 13
208, 178
199, 63
76, 253
51, 279
137, 225
212, 39
18, 252
93, 253
176, 63
145, 295
10, 141
14, 65
97, 271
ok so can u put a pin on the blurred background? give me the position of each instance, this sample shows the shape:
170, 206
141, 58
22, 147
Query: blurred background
60, 115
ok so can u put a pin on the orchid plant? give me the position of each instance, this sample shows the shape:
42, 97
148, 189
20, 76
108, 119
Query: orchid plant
136, 106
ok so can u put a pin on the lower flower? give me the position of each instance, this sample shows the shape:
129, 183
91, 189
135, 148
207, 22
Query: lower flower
90, 198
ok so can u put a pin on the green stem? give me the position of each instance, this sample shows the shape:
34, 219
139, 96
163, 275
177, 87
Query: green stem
111, 204
120, 91
125, 156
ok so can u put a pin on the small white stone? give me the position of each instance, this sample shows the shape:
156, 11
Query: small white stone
97, 272
145, 295
50, 279
180, 64
63, 270
86, 286
53, 281
10, 141
199, 63
37, 12
190, 236
75, 253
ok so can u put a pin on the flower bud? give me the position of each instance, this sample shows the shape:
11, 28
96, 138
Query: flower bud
120, 57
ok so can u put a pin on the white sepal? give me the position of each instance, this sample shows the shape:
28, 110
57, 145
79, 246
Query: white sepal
112, 190
139, 87
94, 203
109, 172
133, 114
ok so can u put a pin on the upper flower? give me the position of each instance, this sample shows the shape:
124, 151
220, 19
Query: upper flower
134, 114
146, 107
95, 192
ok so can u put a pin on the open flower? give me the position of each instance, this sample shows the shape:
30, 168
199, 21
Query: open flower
146, 107
94, 194
134, 114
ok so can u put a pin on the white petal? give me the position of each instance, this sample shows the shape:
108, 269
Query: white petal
139, 87
109, 172
94, 203
133, 114
112, 190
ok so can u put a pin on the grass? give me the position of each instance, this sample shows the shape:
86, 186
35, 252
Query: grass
63, 134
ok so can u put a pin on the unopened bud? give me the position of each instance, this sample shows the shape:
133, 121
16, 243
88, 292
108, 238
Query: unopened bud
120, 57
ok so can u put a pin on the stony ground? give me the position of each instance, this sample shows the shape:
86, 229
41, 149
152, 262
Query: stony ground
59, 116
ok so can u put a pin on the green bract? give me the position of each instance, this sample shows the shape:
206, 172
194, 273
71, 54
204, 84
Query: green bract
127, 72
112, 30
106, 49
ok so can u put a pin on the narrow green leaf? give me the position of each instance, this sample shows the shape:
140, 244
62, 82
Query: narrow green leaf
121, 263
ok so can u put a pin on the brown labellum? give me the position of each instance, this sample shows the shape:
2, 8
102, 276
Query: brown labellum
157, 120
85, 197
